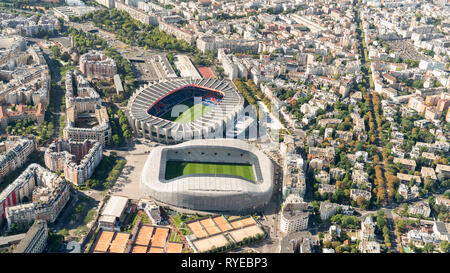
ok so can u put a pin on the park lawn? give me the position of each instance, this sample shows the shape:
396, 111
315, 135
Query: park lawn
176, 220
180, 168
174, 237
194, 112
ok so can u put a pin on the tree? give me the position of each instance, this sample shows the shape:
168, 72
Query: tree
444, 246
428, 248
326, 244
92, 183
116, 139
127, 134
56, 51
65, 57
14, 227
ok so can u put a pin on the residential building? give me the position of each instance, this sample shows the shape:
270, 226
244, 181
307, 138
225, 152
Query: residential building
37, 194
327, 210
114, 213
78, 160
96, 64
35, 239
420, 208
16, 152
294, 217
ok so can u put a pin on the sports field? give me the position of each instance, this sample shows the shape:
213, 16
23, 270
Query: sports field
193, 113
180, 168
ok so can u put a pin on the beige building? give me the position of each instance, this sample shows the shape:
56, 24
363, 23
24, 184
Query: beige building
86, 117
95, 64
294, 217
78, 160
16, 152
37, 194
406, 163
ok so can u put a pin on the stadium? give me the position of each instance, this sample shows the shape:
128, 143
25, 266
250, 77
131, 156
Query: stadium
226, 175
177, 110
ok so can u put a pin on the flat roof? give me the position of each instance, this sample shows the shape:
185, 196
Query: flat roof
4, 240
115, 206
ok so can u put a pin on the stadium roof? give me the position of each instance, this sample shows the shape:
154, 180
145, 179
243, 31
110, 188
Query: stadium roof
162, 130
209, 192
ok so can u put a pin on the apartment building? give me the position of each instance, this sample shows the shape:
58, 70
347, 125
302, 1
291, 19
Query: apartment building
78, 160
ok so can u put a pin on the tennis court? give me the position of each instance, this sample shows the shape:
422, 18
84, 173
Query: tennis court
119, 243
197, 229
210, 227
160, 237
144, 235
139, 249
174, 247
103, 241
210, 243
243, 222
155, 250
222, 223
250, 231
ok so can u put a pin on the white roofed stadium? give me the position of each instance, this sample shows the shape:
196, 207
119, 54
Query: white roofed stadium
207, 106
226, 175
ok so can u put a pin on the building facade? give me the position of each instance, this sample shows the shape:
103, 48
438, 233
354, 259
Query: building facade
78, 160
37, 194
95, 64
86, 117
17, 150
294, 218
35, 239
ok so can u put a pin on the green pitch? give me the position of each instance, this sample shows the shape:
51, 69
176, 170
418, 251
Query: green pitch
180, 168
193, 113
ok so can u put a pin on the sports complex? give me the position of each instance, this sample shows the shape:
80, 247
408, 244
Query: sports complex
226, 175
177, 110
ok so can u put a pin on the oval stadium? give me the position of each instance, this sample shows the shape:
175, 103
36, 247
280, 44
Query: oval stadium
177, 110
226, 175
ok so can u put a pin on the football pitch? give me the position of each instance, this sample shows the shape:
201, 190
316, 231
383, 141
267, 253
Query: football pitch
193, 113
180, 168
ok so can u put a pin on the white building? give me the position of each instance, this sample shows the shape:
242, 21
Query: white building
294, 217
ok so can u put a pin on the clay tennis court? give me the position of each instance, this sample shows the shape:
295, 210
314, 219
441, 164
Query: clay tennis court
160, 237
197, 229
119, 243
139, 249
103, 241
219, 228
210, 243
206, 72
144, 235
155, 250
250, 231
222, 223
154, 239
210, 227
174, 247
243, 222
